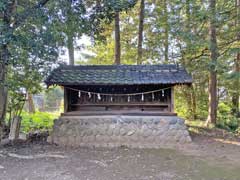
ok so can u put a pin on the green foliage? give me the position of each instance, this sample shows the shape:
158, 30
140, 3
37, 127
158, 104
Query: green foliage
30, 43
53, 98
39, 121
184, 104
238, 131
72, 19
21, 79
181, 104
104, 50
188, 26
226, 119
120, 5
35, 33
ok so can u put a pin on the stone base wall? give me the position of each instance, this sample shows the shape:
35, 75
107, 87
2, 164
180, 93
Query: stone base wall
116, 131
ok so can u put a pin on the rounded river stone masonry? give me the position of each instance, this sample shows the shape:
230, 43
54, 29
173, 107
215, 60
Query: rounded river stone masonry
119, 130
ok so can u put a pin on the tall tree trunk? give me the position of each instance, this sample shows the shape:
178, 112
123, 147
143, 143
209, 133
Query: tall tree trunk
193, 103
190, 94
140, 33
235, 97
70, 33
117, 39
7, 20
3, 92
70, 48
188, 26
31, 107
166, 31
15, 128
188, 14
212, 107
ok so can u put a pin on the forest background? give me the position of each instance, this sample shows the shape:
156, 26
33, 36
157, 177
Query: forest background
203, 36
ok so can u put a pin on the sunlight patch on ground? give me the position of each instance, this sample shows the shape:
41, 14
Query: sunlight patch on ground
227, 141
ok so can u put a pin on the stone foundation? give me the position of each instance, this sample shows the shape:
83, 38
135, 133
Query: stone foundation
120, 130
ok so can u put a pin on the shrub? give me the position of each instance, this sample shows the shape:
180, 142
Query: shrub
238, 131
226, 119
41, 121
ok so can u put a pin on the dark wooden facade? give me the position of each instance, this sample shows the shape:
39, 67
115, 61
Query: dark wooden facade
161, 101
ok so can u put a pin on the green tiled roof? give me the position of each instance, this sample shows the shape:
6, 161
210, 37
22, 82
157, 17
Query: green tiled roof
118, 75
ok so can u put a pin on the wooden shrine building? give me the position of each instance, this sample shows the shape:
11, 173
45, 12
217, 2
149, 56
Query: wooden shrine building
119, 89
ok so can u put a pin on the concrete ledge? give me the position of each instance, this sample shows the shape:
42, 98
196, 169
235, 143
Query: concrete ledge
120, 130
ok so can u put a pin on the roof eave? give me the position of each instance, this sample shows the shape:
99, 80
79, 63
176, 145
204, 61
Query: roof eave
116, 84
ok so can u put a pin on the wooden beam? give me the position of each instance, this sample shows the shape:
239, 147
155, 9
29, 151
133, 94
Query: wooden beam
118, 112
65, 100
172, 99
122, 104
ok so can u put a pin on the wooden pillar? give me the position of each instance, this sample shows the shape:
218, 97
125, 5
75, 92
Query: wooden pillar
172, 99
65, 100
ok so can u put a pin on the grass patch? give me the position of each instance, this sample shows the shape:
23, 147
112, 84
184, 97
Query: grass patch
195, 123
198, 127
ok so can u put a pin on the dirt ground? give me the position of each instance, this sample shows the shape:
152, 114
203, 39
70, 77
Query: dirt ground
207, 158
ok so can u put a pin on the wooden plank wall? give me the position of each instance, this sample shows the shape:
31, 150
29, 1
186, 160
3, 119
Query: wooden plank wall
161, 102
